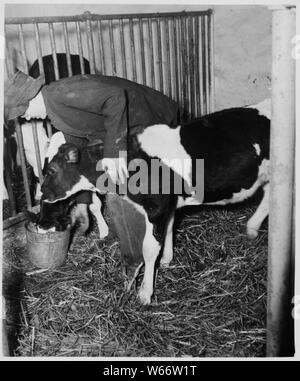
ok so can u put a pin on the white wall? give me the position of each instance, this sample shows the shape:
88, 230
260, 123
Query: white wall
242, 43
242, 55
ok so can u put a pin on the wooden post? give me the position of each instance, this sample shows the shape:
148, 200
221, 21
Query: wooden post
282, 153
5, 346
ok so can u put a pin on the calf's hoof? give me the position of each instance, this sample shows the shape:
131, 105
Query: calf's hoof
252, 233
165, 263
166, 258
144, 297
103, 233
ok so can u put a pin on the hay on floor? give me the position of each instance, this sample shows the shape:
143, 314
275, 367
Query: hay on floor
211, 301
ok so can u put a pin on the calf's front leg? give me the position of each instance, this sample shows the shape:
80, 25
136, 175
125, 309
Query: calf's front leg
151, 249
95, 208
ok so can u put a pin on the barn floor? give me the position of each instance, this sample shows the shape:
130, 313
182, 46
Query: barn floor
211, 302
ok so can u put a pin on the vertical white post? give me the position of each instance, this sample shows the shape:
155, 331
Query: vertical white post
282, 153
5, 346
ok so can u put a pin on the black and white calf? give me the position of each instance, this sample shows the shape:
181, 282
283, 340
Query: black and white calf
57, 215
234, 145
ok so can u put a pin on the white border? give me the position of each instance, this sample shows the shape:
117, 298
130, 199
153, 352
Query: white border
199, 3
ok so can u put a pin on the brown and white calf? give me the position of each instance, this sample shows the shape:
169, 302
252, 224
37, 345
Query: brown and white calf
234, 145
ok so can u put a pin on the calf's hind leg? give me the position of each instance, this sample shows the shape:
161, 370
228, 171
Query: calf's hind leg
167, 254
261, 213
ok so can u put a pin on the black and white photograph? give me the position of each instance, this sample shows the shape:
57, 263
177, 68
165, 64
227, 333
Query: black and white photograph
148, 188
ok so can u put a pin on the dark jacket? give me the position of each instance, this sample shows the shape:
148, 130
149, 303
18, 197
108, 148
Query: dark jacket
101, 107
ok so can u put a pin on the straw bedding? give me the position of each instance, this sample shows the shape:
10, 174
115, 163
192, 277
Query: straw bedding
211, 302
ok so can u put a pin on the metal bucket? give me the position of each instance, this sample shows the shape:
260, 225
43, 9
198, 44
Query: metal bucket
48, 250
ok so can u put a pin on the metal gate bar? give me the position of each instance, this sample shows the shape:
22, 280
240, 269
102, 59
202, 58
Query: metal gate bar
22, 45
159, 56
101, 49
20, 146
55, 64
38, 48
8, 176
210, 63
183, 48
143, 64
191, 66
23, 165
34, 128
206, 68
123, 54
112, 47
37, 151
168, 48
197, 87
133, 57
90, 43
95, 17
203, 71
7, 160
67, 47
79, 45
152, 73
175, 60
53, 49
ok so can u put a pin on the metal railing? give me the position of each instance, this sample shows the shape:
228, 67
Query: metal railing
170, 52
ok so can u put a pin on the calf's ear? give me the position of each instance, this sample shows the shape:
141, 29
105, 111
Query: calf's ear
72, 155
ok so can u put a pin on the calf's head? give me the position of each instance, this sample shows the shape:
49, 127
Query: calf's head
62, 174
